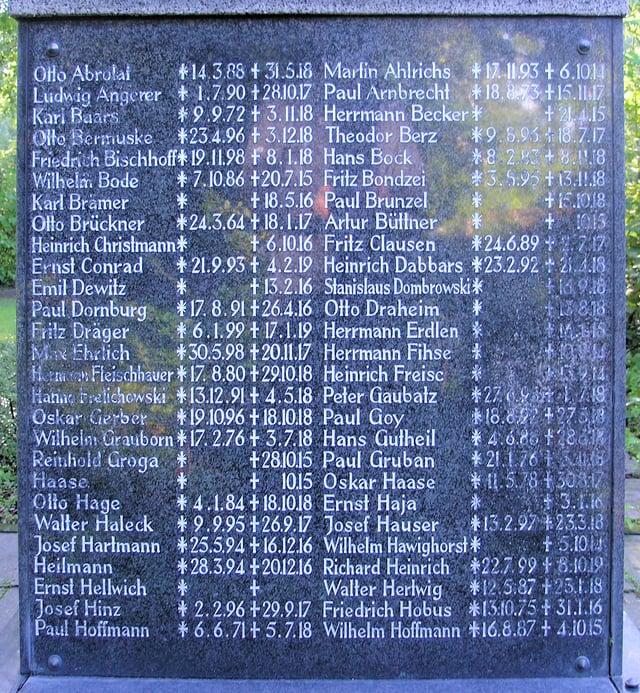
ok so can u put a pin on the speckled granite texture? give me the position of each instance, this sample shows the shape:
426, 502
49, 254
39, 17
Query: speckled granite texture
36, 8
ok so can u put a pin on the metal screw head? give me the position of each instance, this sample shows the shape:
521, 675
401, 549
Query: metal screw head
54, 661
53, 49
584, 46
583, 663
632, 684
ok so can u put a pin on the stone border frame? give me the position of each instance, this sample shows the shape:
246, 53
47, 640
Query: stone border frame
58, 8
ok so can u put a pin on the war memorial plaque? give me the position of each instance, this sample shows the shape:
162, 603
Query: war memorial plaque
321, 344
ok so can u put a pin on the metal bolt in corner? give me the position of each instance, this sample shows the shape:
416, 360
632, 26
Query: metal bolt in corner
53, 49
584, 46
632, 684
583, 664
54, 661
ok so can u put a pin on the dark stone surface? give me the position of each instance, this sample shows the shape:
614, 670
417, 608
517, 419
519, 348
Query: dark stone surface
224, 403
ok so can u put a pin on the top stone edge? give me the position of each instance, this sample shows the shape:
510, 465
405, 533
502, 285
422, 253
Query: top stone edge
159, 8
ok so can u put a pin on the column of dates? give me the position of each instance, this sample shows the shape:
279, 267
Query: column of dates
576, 414
214, 426
506, 434
281, 314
